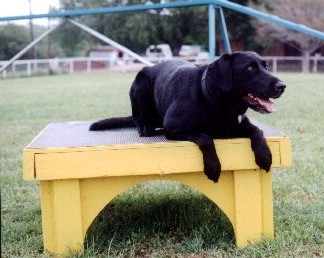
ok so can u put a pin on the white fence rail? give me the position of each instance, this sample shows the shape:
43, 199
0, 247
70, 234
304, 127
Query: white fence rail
89, 64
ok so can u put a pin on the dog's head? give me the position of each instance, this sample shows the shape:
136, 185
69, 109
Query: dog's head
245, 75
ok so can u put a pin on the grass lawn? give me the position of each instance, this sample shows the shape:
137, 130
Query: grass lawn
160, 219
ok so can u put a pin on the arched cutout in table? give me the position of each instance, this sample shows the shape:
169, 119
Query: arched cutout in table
158, 209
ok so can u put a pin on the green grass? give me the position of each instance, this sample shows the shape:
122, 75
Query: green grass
160, 219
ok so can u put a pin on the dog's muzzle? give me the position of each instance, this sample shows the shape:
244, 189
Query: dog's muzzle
264, 104
279, 88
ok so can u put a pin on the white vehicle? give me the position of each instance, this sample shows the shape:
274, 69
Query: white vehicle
161, 50
113, 55
187, 50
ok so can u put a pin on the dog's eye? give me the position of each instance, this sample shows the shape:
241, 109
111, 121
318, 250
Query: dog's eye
250, 68
267, 66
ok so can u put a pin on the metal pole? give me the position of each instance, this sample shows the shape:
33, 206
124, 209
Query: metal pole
113, 9
111, 42
142, 7
270, 18
29, 46
31, 31
212, 32
223, 27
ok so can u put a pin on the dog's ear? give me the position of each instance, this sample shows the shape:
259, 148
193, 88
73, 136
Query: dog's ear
220, 73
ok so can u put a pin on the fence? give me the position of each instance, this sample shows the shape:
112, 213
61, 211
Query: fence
90, 64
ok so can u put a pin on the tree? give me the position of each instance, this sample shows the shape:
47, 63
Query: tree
13, 38
309, 13
241, 27
181, 26
71, 39
137, 30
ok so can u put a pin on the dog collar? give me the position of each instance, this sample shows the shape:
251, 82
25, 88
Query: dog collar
206, 93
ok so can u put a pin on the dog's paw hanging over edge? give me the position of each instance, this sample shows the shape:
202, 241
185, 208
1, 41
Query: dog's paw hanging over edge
94, 127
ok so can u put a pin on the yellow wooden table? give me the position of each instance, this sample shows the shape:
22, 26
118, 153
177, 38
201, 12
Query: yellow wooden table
81, 171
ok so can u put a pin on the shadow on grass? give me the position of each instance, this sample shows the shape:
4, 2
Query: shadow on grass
158, 215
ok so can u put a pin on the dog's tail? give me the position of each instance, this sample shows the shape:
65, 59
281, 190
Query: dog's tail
113, 123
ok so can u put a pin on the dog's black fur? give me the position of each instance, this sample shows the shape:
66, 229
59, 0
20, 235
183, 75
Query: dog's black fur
200, 104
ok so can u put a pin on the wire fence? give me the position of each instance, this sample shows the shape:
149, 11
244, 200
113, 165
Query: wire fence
127, 64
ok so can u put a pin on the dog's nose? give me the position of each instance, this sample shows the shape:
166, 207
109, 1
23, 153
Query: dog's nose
279, 86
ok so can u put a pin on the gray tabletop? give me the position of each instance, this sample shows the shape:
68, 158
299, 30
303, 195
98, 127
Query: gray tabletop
77, 134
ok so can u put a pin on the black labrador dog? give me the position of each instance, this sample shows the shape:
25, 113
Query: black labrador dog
199, 104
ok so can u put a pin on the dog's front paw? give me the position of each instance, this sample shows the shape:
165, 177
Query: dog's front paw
95, 127
146, 131
213, 170
263, 157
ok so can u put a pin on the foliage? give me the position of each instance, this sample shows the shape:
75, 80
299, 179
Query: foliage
13, 38
309, 13
183, 26
138, 30
240, 26
72, 39
181, 222
135, 30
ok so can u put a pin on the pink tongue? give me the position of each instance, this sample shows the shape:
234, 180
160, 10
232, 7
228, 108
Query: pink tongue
267, 105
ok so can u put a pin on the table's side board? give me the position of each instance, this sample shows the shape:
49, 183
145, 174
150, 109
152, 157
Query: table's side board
144, 159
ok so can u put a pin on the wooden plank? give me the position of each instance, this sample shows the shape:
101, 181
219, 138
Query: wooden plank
285, 152
29, 172
267, 205
248, 207
67, 217
144, 161
48, 224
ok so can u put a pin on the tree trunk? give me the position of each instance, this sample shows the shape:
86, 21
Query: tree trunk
305, 62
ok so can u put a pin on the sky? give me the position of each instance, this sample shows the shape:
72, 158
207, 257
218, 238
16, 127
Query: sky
21, 7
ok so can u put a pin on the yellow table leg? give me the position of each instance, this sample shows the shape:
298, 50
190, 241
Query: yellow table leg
61, 216
267, 205
253, 206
